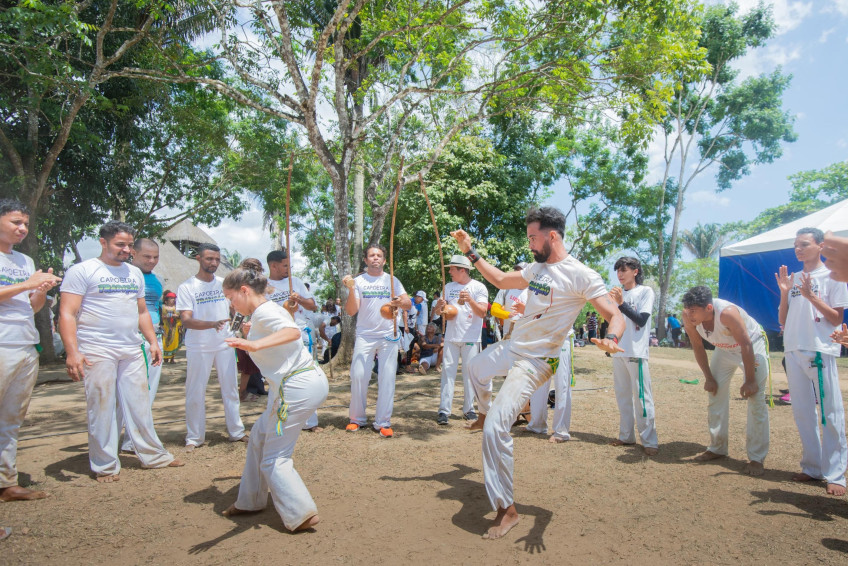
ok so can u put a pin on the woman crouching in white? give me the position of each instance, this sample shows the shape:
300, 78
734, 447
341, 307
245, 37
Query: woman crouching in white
297, 389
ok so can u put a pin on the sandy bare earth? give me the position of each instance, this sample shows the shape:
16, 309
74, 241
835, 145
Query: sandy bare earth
419, 497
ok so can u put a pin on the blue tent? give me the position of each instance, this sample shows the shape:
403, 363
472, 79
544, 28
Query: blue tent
746, 270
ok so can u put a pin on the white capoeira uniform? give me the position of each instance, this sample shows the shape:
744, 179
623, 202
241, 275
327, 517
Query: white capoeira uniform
556, 294
562, 386
723, 363
374, 335
18, 361
107, 334
153, 300
298, 388
205, 349
631, 374
462, 339
807, 343
279, 293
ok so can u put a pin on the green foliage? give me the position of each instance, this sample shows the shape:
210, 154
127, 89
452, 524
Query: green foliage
689, 274
703, 241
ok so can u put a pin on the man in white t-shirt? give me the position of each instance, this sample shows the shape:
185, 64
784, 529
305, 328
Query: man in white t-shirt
630, 371
739, 340
368, 293
470, 299
100, 315
23, 292
205, 313
558, 288
278, 291
811, 308
422, 318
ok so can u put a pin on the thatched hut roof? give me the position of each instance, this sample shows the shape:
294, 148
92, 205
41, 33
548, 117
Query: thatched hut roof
176, 255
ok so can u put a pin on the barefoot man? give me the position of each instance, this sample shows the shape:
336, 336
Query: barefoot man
558, 288
22, 294
100, 314
739, 340
811, 309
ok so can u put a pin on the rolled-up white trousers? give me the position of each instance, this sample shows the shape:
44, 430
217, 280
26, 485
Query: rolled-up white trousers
523, 377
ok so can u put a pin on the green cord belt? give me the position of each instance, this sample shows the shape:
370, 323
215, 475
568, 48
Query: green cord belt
819, 365
283, 411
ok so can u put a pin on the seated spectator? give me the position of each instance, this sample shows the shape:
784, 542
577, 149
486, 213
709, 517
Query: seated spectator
431, 349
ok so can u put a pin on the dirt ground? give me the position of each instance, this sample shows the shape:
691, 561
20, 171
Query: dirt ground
419, 497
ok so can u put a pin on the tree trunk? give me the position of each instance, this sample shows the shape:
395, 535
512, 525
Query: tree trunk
342, 244
358, 211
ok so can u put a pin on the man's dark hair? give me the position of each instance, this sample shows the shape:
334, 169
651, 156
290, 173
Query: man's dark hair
336, 318
549, 218
630, 263
375, 246
113, 228
143, 241
817, 234
207, 248
8, 205
276, 256
699, 296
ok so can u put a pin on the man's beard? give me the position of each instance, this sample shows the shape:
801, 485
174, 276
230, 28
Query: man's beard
542, 256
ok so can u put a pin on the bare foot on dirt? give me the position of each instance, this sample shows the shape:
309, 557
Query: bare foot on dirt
505, 520
189, 448
557, 440
176, 464
835, 489
478, 424
315, 429
18, 493
245, 438
309, 523
618, 442
651, 451
802, 477
109, 479
754, 468
5, 532
707, 456
232, 511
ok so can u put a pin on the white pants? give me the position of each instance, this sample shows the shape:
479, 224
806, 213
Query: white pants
199, 366
269, 464
723, 365
450, 363
562, 411
825, 455
360, 374
118, 379
153, 375
523, 377
430, 360
18, 372
632, 412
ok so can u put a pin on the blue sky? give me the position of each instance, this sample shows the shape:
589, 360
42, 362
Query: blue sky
811, 45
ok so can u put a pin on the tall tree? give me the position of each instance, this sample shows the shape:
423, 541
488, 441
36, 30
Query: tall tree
431, 70
715, 121
704, 241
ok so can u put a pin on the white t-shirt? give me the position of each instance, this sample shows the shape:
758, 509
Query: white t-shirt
330, 331
422, 318
374, 292
467, 326
206, 301
507, 298
17, 326
108, 315
279, 293
278, 361
722, 338
806, 328
635, 340
555, 296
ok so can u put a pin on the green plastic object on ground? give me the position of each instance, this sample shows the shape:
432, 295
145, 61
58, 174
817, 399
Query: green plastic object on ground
689, 381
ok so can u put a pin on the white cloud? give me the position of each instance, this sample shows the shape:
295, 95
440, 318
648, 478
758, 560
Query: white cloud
787, 14
766, 59
842, 143
800, 115
708, 197
825, 34
840, 6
